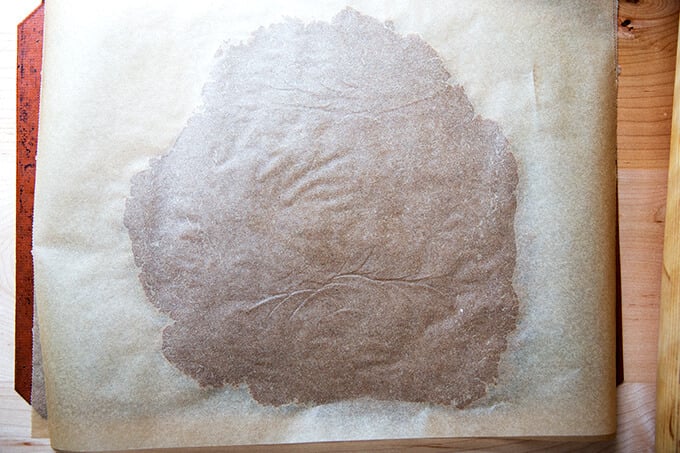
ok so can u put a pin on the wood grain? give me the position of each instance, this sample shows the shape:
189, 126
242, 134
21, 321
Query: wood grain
668, 379
647, 46
647, 60
15, 423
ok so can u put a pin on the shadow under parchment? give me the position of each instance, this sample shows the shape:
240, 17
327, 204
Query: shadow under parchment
335, 223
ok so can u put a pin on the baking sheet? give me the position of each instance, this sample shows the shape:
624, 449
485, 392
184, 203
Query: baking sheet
124, 95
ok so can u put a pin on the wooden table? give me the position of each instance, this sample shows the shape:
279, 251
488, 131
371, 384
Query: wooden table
647, 45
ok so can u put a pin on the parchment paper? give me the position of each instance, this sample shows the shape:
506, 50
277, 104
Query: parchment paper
120, 84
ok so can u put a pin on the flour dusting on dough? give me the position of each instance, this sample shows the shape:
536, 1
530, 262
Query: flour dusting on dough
336, 223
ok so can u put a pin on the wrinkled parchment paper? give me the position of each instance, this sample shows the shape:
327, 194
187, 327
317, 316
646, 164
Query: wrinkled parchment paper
125, 83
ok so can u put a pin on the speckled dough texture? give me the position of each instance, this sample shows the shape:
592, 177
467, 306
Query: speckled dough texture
335, 224
324, 220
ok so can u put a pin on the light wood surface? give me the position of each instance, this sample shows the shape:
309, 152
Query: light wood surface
647, 49
668, 379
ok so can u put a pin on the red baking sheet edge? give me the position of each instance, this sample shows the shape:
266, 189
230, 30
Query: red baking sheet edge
29, 66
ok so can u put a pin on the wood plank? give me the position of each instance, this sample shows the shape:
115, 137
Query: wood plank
647, 45
668, 379
642, 194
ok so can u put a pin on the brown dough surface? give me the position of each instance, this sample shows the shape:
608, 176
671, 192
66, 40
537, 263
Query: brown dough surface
335, 223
